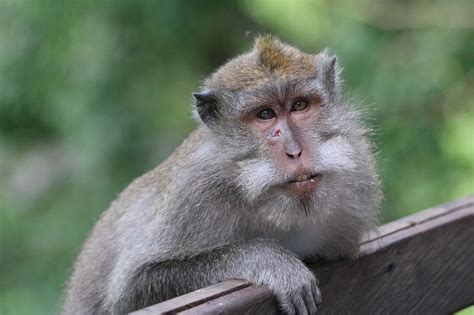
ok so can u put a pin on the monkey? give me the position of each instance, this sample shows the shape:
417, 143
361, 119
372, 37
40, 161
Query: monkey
279, 169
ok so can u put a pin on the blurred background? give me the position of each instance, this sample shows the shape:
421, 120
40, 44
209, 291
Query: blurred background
95, 93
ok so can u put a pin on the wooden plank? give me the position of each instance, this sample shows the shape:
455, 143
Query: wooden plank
194, 298
423, 263
251, 300
426, 269
418, 218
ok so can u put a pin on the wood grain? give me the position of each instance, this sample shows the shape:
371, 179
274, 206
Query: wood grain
423, 264
194, 298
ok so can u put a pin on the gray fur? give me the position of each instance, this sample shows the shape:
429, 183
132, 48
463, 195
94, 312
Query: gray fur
210, 211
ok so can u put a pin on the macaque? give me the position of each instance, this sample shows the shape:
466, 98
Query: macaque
279, 169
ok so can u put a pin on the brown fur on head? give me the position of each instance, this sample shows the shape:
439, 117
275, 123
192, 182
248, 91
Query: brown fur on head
268, 57
281, 58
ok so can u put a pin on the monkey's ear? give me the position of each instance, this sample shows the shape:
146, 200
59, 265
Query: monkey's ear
206, 106
331, 75
329, 72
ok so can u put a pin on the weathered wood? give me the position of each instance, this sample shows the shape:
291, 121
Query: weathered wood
423, 263
192, 299
425, 268
251, 300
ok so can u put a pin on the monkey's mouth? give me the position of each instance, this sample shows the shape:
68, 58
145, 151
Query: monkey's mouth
303, 178
303, 186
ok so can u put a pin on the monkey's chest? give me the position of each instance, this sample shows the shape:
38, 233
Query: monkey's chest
306, 241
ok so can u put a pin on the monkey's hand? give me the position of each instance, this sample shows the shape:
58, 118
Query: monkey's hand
259, 261
267, 263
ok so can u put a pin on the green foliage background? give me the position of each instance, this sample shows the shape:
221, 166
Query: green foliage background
94, 93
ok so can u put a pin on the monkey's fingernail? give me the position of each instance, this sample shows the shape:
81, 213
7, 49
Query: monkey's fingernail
312, 180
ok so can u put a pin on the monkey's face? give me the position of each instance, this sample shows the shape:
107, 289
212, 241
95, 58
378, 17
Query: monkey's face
289, 141
283, 125
305, 156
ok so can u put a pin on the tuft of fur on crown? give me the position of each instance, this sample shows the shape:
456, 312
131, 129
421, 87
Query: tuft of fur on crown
282, 58
269, 57
271, 52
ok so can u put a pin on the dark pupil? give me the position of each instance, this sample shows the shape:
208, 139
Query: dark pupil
266, 113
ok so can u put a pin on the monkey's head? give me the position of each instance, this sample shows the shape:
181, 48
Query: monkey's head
278, 115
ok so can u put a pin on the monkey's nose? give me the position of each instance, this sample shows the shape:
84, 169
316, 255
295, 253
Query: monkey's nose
294, 153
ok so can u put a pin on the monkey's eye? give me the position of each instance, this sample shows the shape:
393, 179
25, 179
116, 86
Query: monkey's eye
299, 105
266, 113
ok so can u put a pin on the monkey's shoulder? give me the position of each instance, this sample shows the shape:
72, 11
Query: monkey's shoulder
149, 193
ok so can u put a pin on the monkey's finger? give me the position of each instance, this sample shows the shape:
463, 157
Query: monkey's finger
316, 295
309, 300
300, 305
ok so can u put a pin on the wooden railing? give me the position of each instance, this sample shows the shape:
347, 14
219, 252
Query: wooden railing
420, 264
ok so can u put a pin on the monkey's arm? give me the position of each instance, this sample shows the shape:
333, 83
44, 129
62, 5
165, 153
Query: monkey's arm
258, 261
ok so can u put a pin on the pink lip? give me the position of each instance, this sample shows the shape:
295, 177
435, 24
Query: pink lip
303, 188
